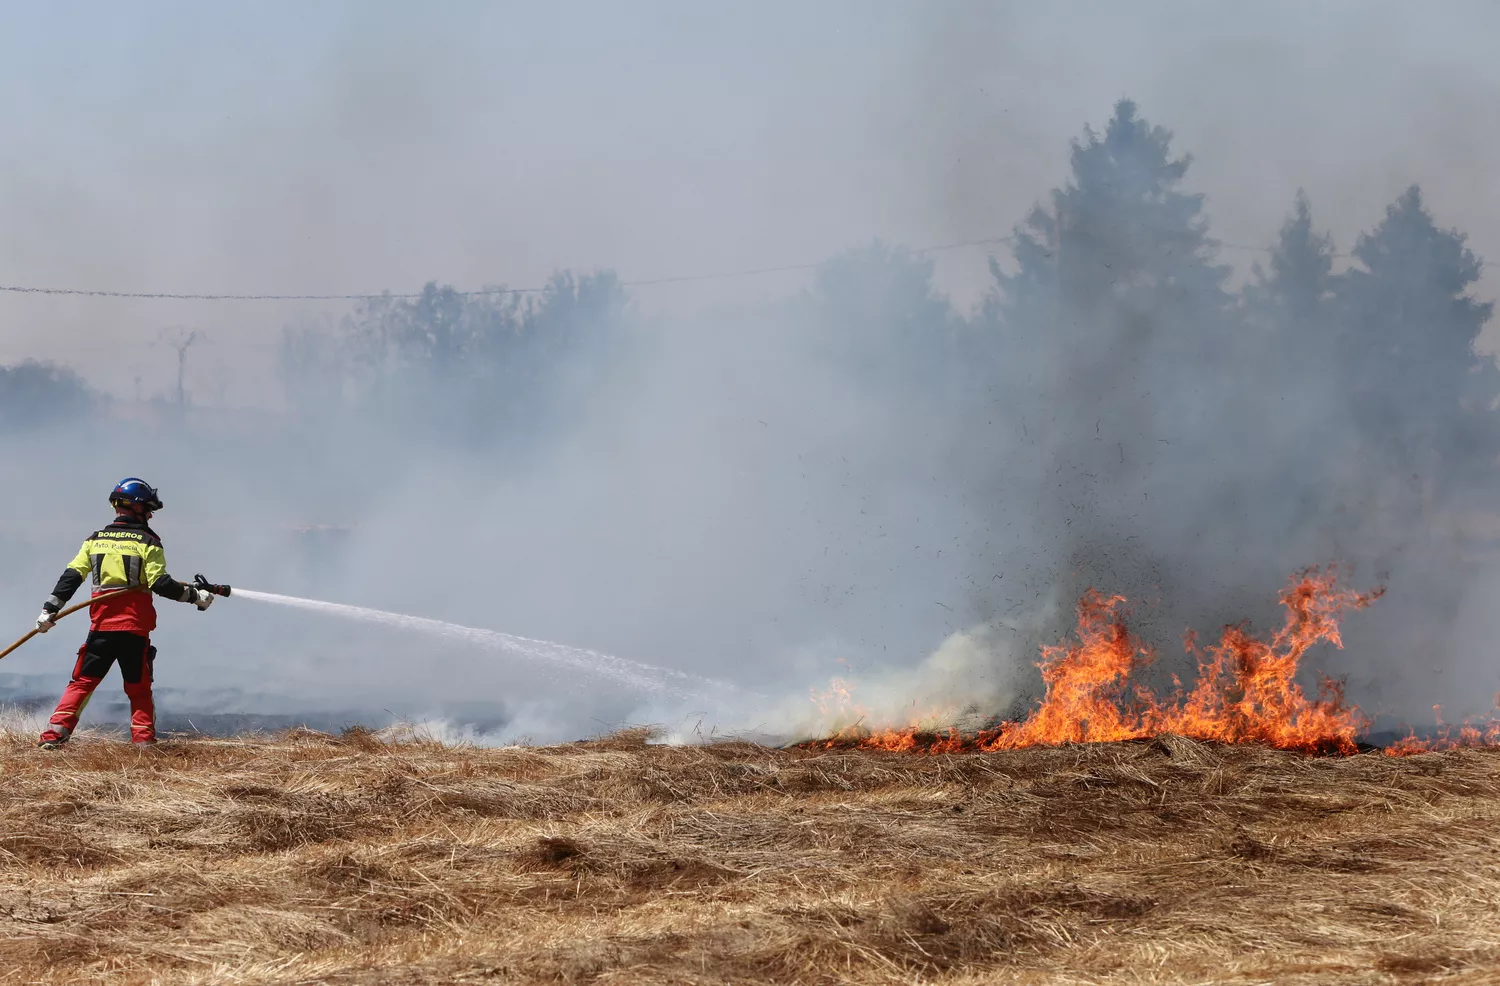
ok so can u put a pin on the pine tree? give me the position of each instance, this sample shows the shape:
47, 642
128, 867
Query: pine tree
1116, 277
1291, 409
1121, 338
1121, 242
1117, 313
1294, 298
1423, 398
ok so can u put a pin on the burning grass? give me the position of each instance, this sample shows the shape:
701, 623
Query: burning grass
310, 858
1245, 691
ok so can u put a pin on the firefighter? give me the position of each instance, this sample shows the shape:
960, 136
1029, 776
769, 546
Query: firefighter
127, 553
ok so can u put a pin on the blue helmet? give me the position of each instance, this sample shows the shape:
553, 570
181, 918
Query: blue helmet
136, 491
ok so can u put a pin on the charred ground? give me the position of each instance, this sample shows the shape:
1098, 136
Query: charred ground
314, 858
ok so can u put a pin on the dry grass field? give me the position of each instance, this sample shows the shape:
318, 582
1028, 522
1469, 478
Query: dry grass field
310, 858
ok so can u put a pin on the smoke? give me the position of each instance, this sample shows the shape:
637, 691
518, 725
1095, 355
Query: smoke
874, 472
971, 678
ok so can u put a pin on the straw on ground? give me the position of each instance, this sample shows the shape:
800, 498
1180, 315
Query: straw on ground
311, 858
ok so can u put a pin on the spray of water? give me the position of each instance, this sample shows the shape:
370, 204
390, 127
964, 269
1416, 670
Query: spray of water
645, 677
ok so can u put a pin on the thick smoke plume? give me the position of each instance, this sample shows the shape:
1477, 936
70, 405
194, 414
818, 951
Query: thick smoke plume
864, 489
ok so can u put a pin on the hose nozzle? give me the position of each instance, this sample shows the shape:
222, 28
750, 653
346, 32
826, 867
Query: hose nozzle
219, 590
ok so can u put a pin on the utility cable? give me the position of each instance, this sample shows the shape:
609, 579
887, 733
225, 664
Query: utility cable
646, 282
497, 291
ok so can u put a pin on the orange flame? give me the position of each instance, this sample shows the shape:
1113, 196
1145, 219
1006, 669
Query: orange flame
1469, 734
1245, 690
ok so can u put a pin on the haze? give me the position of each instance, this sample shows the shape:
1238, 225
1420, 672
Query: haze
722, 500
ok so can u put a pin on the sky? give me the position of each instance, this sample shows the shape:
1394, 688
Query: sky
360, 146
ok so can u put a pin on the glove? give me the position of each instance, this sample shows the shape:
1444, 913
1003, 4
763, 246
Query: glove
204, 600
45, 621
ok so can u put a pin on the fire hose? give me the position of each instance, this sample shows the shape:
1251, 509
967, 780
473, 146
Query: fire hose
199, 582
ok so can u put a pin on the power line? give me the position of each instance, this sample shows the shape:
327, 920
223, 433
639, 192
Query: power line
645, 282
479, 292
1337, 253
170, 296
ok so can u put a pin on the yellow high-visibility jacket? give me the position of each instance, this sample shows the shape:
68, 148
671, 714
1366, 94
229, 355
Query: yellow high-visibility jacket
126, 553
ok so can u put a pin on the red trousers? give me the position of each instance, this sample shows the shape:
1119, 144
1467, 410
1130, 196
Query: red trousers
103, 648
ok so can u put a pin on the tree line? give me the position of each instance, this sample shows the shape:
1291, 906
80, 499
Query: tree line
1320, 399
